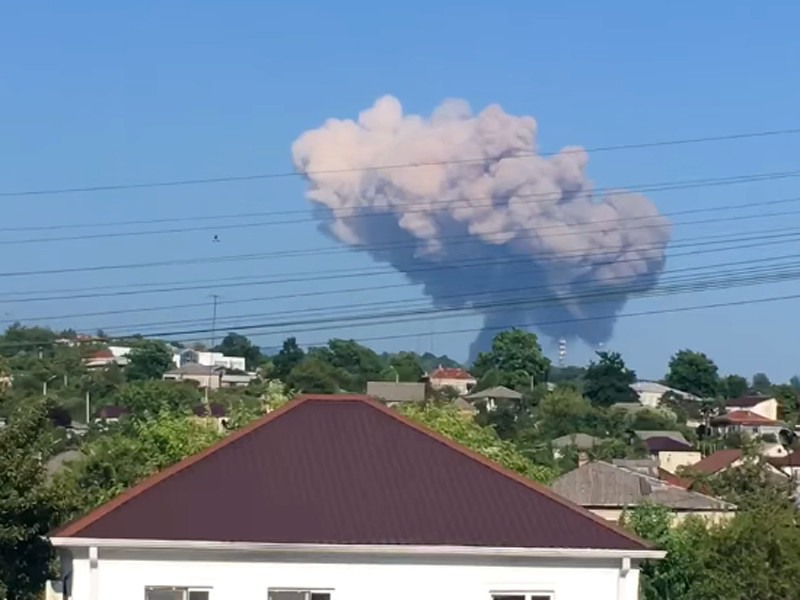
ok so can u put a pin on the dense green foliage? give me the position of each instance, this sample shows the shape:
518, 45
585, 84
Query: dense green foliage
755, 554
608, 380
446, 420
693, 372
515, 361
150, 359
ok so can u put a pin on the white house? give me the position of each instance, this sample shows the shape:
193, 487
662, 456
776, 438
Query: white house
745, 421
766, 406
205, 377
342, 498
458, 379
650, 393
209, 359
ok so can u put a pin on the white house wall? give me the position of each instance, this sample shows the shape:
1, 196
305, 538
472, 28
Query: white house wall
123, 575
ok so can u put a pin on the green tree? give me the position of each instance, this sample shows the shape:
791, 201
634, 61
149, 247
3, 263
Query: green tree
446, 420
235, 344
287, 359
786, 396
761, 383
514, 359
678, 576
359, 363
405, 366
315, 376
21, 339
146, 399
795, 383
149, 360
608, 381
28, 509
733, 386
563, 412
693, 372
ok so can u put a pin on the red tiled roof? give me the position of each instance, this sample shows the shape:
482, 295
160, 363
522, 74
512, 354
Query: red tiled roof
101, 354
346, 470
666, 444
747, 401
718, 461
442, 373
742, 417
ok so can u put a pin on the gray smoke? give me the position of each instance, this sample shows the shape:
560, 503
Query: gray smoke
512, 227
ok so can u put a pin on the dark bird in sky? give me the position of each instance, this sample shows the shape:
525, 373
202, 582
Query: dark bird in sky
216, 238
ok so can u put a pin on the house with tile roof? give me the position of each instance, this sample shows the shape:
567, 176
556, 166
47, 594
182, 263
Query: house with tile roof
670, 448
748, 422
458, 379
765, 406
342, 498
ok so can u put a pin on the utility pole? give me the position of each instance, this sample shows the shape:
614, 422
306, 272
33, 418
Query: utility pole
214, 320
88, 407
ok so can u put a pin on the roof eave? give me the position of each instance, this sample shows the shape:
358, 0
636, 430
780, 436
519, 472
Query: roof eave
375, 549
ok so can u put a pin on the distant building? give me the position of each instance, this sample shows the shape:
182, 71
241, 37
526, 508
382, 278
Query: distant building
651, 392
491, 396
608, 491
204, 376
746, 421
670, 449
458, 379
766, 406
396, 392
209, 359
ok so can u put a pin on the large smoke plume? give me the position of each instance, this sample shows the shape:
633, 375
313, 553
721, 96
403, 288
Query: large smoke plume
523, 236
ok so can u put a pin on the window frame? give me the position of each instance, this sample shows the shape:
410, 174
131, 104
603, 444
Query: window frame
526, 593
308, 591
187, 589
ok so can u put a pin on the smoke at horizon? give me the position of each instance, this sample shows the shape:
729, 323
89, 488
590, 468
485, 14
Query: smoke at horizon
511, 219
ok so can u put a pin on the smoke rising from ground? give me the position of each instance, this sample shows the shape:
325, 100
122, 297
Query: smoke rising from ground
515, 230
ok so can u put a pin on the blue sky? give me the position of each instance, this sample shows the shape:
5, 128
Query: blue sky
96, 93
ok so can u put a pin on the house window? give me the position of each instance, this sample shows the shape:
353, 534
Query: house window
298, 595
522, 596
176, 593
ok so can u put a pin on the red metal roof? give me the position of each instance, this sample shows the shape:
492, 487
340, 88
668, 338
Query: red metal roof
346, 470
742, 417
442, 373
718, 461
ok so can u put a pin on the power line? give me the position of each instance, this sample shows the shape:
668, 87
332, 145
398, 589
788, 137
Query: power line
506, 306
326, 293
327, 250
364, 211
767, 274
482, 160
326, 275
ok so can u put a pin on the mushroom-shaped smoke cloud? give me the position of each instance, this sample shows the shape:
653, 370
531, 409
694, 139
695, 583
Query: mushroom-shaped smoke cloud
481, 220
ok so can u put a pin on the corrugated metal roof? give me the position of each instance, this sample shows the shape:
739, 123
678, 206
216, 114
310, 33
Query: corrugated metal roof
600, 484
391, 391
346, 470
495, 393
